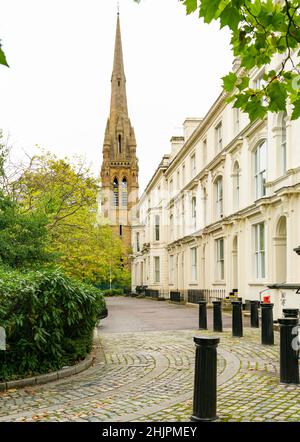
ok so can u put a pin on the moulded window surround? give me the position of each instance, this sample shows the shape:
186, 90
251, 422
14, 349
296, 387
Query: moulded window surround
219, 197
171, 273
259, 250
204, 152
237, 115
219, 137
178, 219
282, 157
220, 259
260, 169
171, 187
236, 186
183, 175
156, 269
158, 195
259, 83
194, 275
157, 228
171, 228
183, 216
178, 180
194, 211
193, 165
204, 206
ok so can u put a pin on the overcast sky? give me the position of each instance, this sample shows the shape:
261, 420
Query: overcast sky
56, 93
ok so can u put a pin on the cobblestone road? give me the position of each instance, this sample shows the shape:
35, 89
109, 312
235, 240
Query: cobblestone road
148, 376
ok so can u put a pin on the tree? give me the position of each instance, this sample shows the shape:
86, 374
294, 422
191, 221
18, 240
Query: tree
260, 30
23, 237
66, 194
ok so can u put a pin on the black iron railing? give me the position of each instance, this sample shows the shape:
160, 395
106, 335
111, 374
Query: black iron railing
152, 293
208, 295
176, 296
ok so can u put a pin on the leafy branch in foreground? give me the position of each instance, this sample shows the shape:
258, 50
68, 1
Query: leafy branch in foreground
262, 31
2, 56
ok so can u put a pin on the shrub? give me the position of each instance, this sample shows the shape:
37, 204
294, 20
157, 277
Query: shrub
113, 292
49, 321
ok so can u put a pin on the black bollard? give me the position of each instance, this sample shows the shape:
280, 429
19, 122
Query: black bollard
289, 351
218, 326
205, 385
202, 315
267, 331
290, 312
254, 314
237, 320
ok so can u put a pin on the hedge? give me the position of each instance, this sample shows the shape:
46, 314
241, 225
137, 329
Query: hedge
113, 292
49, 321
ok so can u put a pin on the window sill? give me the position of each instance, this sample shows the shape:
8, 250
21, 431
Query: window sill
219, 283
259, 283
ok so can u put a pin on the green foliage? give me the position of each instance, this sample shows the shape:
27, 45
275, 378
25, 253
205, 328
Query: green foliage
262, 31
64, 196
113, 292
229, 81
49, 321
3, 60
23, 236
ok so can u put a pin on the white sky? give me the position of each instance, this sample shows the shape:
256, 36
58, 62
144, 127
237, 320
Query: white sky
57, 91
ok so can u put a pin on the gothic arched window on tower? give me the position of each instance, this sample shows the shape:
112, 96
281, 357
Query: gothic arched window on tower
124, 192
120, 144
116, 192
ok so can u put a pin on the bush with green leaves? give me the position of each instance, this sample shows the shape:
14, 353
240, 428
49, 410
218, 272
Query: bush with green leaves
49, 321
113, 292
23, 236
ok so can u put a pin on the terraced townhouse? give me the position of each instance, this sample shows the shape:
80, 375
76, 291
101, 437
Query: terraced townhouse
221, 213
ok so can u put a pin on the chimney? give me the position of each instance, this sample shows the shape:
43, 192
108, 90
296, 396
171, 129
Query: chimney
190, 125
176, 144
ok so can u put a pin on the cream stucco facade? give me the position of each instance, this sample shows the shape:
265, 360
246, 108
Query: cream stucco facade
222, 210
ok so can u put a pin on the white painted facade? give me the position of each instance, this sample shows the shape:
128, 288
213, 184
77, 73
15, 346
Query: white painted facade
227, 199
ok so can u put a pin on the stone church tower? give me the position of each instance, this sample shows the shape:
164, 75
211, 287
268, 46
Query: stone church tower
119, 172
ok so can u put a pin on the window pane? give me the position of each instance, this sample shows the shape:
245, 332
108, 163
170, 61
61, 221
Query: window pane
157, 228
263, 156
256, 166
221, 249
194, 263
222, 270
261, 237
157, 269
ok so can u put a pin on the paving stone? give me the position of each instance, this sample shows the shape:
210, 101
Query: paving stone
149, 376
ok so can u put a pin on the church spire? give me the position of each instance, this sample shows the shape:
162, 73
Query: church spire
118, 104
119, 171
